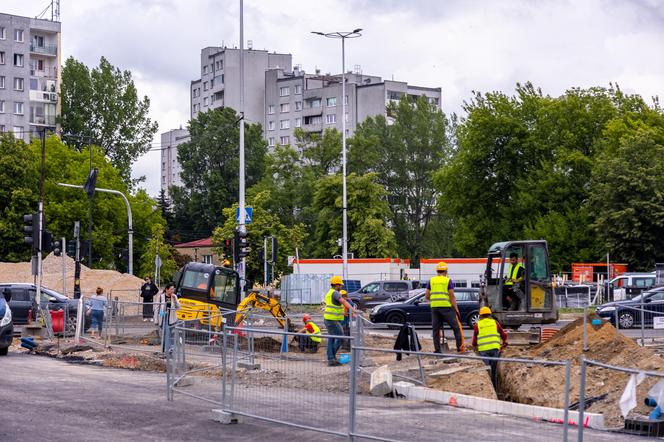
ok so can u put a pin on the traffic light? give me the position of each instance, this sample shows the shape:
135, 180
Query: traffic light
240, 246
47, 241
31, 229
57, 248
275, 249
85, 245
71, 248
227, 248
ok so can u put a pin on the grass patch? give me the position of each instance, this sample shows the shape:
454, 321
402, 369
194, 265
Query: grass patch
570, 310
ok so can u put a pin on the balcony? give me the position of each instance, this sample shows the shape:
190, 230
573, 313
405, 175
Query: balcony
313, 127
48, 50
44, 97
42, 120
311, 111
48, 73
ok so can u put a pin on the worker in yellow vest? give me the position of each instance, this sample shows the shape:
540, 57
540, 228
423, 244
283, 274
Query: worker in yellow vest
512, 287
489, 339
440, 293
333, 316
311, 341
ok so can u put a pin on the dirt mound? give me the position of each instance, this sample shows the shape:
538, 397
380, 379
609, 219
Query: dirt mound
122, 285
542, 385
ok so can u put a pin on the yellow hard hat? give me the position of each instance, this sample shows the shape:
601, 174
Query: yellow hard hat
485, 311
343, 292
336, 280
441, 266
227, 263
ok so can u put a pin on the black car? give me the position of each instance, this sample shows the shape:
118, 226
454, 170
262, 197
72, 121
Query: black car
629, 311
23, 300
6, 324
417, 311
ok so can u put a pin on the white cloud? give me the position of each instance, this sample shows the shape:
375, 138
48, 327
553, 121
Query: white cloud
458, 45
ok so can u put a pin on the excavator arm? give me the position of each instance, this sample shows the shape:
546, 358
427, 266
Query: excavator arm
260, 301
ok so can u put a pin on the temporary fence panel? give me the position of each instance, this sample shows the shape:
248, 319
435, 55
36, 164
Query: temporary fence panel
577, 296
304, 288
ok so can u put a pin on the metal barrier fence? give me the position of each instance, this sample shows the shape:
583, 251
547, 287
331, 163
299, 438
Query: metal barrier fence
576, 296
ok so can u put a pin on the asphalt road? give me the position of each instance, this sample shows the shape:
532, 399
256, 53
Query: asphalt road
47, 399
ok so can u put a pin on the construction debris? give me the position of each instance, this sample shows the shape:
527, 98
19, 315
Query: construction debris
381, 381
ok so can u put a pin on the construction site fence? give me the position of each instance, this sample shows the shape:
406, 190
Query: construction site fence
262, 374
591, 371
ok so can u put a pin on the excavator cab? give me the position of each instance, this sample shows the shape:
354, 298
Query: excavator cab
204, 290
517, 283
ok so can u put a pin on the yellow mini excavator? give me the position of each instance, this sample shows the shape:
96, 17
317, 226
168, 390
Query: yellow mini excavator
210, 295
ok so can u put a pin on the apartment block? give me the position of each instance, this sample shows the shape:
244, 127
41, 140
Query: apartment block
219, 84
170, 166
29, 75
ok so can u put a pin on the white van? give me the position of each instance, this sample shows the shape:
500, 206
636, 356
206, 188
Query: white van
628, 285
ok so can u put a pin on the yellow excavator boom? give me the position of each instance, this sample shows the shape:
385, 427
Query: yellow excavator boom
259, 301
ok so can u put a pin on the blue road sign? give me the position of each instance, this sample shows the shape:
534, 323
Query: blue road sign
248, 215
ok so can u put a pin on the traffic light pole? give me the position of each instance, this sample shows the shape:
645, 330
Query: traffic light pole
242, 265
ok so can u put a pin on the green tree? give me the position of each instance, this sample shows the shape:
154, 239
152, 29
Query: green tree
101, 107
404, 150
264, 223
157, 245
210, 165
322, 154
19, 177
627, 192
368, 215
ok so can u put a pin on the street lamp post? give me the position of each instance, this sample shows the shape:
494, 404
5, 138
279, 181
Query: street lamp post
343, 36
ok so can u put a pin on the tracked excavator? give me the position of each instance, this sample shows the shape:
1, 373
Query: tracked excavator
210, 295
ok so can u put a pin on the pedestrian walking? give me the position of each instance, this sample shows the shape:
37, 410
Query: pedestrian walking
440, 293
167, 313
97, 305
148, 292
333, 317
487, 337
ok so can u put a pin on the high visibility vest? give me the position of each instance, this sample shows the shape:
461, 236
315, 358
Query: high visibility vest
487, 335
512, 272
333, 312
440, 297
315, 335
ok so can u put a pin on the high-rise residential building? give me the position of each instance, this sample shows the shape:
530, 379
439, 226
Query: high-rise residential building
219, 84
29, 75
313, 103
170, 166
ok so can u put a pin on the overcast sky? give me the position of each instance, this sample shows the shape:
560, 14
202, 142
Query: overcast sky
460, 46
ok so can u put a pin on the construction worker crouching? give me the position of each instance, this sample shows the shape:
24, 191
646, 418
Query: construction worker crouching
487, 337
312, 340
440, 293
333, 317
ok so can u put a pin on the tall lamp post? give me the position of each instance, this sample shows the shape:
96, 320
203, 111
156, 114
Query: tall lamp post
343, 35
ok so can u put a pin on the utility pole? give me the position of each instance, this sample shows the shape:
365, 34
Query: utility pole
64, 266
242, 269
41, 219
77, 263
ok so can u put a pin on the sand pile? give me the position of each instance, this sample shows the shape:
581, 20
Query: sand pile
540, 385
122, 285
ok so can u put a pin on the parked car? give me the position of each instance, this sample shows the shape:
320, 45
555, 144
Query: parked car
628, 285
23, 299
6, 323
653, 303
380, 292
417, 310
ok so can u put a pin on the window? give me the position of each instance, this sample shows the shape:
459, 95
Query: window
346, 117
18, 131
332, 101
2, 106
271, 125
313, 120
2, 82
656, 297
2, 57
18, 60
39, 41
3, 33
284, 141
205, 85
284, 107
196, 93
205, 101
371, 288
270, 141
18, 35
394, 95
284, 124
284, 91
207, 259
298, 89
225, 289
346, 100
205, 69
396, 286
298, 105
433, 100
643, 282
219, 64
211, 83
315, 103
270, 109
298, 122
18, 107
18, 84
40, 65
330, 118
3, 128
